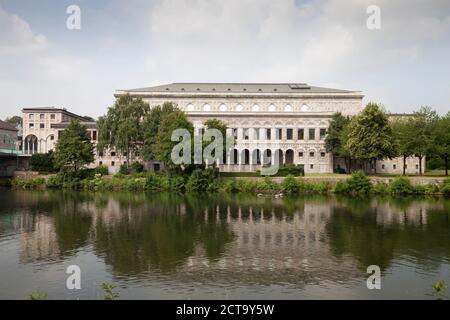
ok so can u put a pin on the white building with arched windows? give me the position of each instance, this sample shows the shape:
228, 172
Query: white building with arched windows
271, 121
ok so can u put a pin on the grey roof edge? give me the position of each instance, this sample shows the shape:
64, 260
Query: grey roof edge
235, 87
53, 109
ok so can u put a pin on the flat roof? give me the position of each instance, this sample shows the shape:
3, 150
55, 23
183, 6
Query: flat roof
273, 88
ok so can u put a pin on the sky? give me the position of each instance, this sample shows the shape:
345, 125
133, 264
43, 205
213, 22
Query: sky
124, 44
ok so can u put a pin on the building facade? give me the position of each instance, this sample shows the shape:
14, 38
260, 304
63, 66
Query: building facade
42, 127
273, 123
8, 138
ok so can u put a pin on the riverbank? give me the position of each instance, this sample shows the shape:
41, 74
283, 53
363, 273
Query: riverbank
209, 181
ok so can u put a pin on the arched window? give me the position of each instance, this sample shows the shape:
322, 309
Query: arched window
190, 107
239, 108
288, 108
305, 108
223, 108
207, 108
272, 108
256, 108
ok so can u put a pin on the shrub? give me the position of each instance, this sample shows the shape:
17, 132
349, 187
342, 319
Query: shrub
380, 188
268, 185
43, 162
28, 184
124, 169
291, 169
401, 186
137, 167
358, 183
445, 189
55, 182
176, 183
102, 170
200, 180
290, 185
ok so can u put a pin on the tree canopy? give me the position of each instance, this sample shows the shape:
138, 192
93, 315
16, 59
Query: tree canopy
122, 128
370, 136
74, 149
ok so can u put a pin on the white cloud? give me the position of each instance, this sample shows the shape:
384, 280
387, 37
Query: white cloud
16, 35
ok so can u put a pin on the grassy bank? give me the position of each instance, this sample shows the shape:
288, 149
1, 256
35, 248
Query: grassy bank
210, 181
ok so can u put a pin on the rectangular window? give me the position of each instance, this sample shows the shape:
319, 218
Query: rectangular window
94, 135
311, 166
31, 125
113, 154
312, 154
323, 133
289, 134
42, 126
100, 154
322, 154
59, 134
382, 166
417, 166
246, 134
268, 134
278, 134
312, 134
100, 163
235, 133
395, 166
31, 116
300, 154
52, 117
301, 134
113, 163
52, 137
41, 116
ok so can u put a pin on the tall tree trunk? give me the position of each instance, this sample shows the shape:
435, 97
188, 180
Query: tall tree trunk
404, 165
420, 165
375, 166
446, 165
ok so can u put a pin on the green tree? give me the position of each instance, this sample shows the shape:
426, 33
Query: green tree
164, 144
222, 127
370, 136
423, 122
403, 130
74, 149
335, 139
14, 120
151, 124
121, 129
441, 139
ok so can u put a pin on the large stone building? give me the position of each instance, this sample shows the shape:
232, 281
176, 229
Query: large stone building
275, 121
271, 122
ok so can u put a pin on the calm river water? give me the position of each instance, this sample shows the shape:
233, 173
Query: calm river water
169, 246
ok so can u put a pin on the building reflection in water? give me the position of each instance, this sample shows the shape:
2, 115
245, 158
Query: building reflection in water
232, 238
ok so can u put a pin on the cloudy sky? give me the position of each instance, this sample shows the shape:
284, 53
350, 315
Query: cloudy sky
126, 44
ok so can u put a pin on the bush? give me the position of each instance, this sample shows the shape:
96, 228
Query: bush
137, 167
28, 184
201, 179
102, 170
401, 186
290, 185
290, 169
380, 188
358, 183
445, 189
43, 162
340, 171
124, 169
